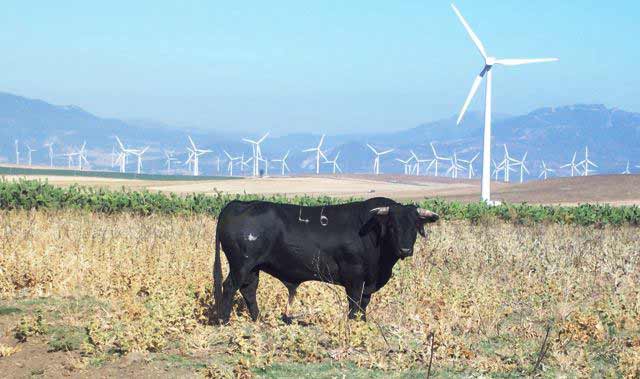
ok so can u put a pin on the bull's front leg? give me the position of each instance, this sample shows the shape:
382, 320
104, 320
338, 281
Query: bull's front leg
358, 298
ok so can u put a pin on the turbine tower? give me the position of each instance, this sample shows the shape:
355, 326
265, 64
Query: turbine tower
376, 161
17, 153
82, 157
194, 157
319, 153
626, 171
283, 163
257, 153
489, 62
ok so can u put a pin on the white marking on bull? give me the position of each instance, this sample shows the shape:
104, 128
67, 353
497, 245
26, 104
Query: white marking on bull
251, 237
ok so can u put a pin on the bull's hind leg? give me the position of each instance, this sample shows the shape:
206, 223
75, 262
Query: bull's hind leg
292, 288
248, 291
231, 284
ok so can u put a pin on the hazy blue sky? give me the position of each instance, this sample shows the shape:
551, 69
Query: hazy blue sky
331, 66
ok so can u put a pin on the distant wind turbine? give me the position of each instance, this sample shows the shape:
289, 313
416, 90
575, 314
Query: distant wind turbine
283, 163
376, 161
319, 153
545, 171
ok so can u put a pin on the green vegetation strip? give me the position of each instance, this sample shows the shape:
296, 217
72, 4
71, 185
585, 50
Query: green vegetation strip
30, 194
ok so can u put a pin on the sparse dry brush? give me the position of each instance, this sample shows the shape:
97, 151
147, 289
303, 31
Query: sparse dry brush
488, 292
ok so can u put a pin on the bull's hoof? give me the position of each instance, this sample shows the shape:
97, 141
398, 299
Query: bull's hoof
287, 319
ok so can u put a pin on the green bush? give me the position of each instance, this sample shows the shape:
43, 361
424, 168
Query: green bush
30, 194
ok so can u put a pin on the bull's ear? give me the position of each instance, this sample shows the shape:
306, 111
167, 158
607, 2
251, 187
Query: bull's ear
375, 221
421, 231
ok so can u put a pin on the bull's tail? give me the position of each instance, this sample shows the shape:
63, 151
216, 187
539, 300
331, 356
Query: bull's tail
217, 277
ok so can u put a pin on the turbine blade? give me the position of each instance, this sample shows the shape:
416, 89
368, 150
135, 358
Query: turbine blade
518, 62
473, 35
321, 141
372, 149
472, 92
192, 144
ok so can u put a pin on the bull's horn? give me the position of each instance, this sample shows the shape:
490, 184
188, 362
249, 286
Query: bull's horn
427, 214
380, 211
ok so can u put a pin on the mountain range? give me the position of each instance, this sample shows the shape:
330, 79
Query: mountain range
551, 134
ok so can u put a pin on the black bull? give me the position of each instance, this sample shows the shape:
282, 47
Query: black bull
354, 245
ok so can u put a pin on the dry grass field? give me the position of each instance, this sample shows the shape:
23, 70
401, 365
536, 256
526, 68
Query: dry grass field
92, 295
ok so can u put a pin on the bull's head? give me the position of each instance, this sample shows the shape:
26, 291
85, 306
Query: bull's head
398, 225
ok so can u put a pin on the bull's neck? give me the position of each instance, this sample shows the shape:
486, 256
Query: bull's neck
387, 259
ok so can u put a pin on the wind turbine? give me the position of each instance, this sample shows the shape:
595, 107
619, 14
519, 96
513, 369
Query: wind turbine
505, 165
170, 158
455, 166
419, 162
575, 170
319, 153
82, 157
334, 163
437, 158
489, 62
122, 157
283, 163
626, 171
469, 163
17, 153
523, 167
29, 152
244, 163
406, 164
586, 162
70, 158
231, 160
376, 161
257, 152
545, 171
49, 146
195, 156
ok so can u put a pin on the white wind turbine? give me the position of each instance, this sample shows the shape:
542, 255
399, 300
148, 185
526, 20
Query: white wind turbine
455, 167
626, 171
406, 164
169, 157
523, 167
419, 161
70, 158
376, 161
334, 163
586, 163
505, 165
122, 157
575, 170
29, 152
545, 171
245, 163
489, 62
283, 163
437, 158
257, 153
82, 157
195, 156
469, 163
49, 146
319, 153
231, 160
